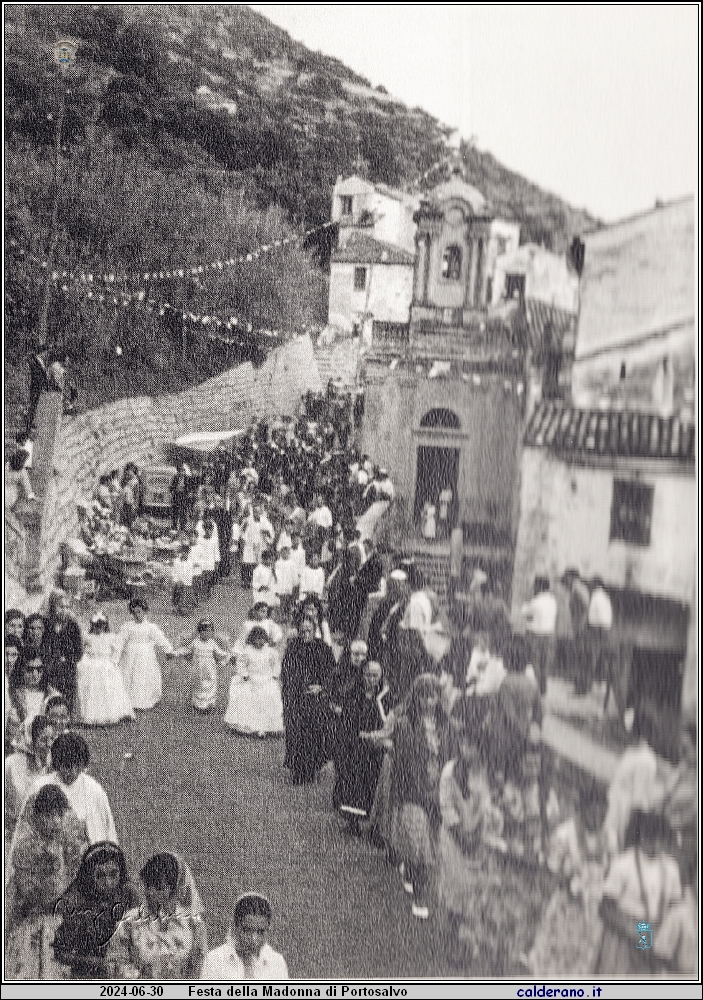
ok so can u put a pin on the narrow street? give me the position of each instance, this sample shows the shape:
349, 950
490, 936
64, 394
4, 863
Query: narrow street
225, 803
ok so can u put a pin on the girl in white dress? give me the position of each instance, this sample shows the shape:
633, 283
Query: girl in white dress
255, 706
206, 652
138, 642
263, 581
259, 614
429, 521
101, 698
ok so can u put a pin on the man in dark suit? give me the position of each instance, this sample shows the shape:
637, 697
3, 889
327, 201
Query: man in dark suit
38, 383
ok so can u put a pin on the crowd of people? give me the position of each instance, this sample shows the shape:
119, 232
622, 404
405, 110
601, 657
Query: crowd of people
433, 730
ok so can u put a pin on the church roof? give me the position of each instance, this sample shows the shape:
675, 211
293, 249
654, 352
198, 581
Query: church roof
364, 249
359, 185
353, 185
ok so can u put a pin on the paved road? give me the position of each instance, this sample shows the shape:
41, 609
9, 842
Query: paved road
225, 803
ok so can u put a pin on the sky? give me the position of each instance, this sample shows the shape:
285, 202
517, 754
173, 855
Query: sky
598, 104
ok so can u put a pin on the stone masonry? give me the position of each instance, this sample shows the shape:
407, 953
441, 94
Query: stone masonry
137, 429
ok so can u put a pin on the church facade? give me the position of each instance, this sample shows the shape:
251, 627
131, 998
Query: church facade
445, 396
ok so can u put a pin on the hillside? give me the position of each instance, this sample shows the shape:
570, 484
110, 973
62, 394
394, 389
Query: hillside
195, 133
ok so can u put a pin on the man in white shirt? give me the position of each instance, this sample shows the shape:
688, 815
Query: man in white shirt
540, 616
86, 796
246, 954
321, 515
600, 609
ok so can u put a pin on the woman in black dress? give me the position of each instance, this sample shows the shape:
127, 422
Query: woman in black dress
64, 646
360, 751
307, 667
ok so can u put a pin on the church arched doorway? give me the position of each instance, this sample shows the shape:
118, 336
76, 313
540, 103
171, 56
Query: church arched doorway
437, 475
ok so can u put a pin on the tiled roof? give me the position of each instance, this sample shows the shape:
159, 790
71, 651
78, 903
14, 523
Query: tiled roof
549, 326
364, 249
572, 432
638, 278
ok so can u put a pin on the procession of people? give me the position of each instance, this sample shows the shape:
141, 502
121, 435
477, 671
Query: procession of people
433, 728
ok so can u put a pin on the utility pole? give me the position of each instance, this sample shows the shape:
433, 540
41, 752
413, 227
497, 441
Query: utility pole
65, 56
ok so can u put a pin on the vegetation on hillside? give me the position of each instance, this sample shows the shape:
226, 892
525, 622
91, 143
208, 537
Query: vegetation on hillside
194, 133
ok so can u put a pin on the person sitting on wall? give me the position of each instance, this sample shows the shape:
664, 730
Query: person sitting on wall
18, 487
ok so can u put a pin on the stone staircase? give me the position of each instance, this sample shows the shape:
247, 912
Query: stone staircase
338, 361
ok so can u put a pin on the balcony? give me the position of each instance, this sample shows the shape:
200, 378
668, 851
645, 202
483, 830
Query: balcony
466, 333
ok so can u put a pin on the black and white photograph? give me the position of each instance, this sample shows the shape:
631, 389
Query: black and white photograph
351, 550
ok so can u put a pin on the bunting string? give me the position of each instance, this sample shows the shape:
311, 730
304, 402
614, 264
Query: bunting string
113, 276
103, 292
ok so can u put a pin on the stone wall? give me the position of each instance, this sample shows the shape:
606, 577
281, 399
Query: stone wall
137, 430
339, 361
15, 561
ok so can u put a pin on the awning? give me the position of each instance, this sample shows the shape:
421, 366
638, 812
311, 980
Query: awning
205, 441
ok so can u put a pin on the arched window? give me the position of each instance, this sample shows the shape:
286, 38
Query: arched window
451, 263
441, 418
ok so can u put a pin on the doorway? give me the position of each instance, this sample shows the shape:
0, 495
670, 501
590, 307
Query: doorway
437, 471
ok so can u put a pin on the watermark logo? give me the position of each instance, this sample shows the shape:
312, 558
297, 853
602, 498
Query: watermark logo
644, 936
65, 52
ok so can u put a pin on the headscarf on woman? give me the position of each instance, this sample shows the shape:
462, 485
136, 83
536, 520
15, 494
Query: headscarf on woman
423, 744
45, 855
31, 760
90, 911
162, 939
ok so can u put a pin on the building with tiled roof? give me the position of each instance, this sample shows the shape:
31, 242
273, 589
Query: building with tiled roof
608, 483
370, 282
382, 212
371, 270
